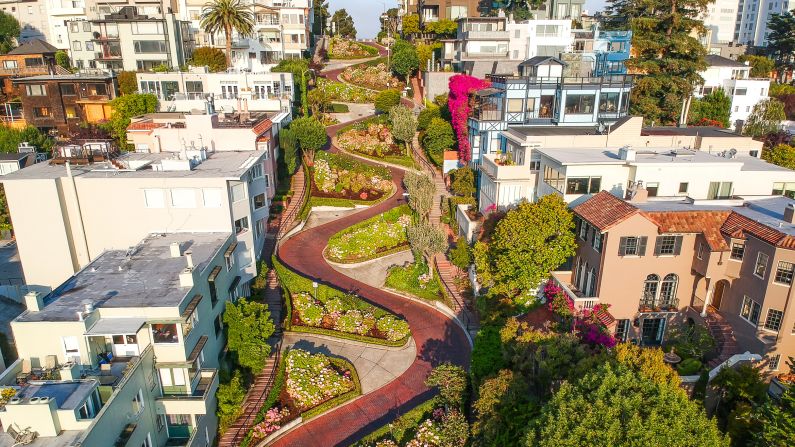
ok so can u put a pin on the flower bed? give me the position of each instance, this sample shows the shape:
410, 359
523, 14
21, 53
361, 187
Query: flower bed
415, 279
331, 304
340, 177
349, 49
338, 91
372, 138
337, 314
373, 77
373, 238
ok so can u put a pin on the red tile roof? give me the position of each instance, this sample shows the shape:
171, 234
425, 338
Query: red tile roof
738, 226
144, 125
262, 126
708, 223
604, 210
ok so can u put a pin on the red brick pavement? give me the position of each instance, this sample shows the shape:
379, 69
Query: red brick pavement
438, 339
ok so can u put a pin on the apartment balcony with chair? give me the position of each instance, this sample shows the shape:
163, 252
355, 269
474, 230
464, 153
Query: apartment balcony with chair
196, 400
502, 167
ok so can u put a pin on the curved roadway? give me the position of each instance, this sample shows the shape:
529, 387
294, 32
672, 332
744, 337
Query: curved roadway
438, 339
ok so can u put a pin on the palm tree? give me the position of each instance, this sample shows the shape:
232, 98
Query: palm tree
227, 15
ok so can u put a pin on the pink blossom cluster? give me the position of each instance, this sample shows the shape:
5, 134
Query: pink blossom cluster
594, 334
271, 423
461, 86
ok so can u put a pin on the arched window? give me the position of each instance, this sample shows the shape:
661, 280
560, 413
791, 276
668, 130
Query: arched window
668, 289
650, 287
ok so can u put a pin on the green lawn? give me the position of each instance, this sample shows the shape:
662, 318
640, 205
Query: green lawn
407, 279
375, 237
402, 429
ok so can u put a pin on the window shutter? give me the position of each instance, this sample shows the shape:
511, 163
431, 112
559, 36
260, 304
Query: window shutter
657, 245
678, 245
622, 246
577, 223
642, 246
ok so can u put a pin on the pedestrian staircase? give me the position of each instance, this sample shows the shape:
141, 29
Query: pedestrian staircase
725, 342
287, 221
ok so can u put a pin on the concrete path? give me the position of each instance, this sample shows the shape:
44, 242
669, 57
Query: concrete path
376, 365
355, 112
373, 273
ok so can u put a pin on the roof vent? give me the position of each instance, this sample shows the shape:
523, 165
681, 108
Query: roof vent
176, 250
34, 301
627, 153
789, 213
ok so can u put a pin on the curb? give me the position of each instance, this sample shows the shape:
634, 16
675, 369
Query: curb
363, 263
352, 342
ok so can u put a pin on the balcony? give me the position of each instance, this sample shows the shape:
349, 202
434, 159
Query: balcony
486, 35
205, 383
25, 71
487, 55
580, 298
656, 303
499, 167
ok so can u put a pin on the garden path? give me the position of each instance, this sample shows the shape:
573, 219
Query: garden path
436, 337
374, 272
375, 365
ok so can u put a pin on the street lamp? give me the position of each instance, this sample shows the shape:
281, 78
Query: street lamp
315, 286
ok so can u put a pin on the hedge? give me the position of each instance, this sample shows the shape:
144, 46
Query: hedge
338, 108
396, 430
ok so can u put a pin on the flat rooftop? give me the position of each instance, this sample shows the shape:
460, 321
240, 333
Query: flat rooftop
576, 156
67, 438
68, 395
219, 164
149, 277
690, 132
766, 210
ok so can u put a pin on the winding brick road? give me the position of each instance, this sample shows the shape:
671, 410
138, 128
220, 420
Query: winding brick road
438, 339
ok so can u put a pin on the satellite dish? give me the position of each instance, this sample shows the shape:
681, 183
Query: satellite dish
732, 152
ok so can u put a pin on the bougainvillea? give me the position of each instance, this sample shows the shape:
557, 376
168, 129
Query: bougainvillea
591, 330
558, 302
461, 86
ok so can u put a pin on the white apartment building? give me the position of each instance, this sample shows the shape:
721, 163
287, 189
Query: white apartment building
132, 38
753, 15
232, 91
32, 16
60, 12
539, 38
668, 161
282, 30
720, 19
189, 173
126, 351
735, 79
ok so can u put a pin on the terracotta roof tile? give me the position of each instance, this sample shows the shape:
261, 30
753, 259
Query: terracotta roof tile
604, 210
144, 125
262, 126
738, 226
708, 223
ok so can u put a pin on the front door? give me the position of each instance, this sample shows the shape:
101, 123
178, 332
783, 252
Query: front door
652, 331
717, 294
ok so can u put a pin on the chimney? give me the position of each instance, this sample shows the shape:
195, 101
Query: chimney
186, 278
176, 251
789, 213
189, 259
34, 301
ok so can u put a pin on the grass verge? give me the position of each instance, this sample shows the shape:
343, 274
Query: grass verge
402, 429
407, 279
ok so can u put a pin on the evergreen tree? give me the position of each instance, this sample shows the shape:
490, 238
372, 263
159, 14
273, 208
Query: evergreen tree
343, 24
666, 57
9, 31
249, 327
715, 107
321, 16
781, 42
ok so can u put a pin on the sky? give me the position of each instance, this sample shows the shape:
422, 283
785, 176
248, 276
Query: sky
366, 13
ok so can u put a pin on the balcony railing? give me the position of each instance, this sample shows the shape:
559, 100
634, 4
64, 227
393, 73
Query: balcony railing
18, 71
653, 303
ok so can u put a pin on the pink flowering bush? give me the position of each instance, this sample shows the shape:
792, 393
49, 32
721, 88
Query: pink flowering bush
592, 331
558, 302
461, 86
272, 422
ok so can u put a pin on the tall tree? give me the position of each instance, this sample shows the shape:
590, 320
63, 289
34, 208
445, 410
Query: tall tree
781, 42
421, 189
124, 108
764, 118
426, 240
390, 23
249, 327
310, 134
527, 244
321, 16
404, 125
776, 420
667, 58
9, 31
404, 59
781, 155
761, 66
228, 16
343, 24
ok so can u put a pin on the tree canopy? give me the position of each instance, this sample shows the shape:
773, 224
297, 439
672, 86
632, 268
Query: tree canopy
404, 124
781, 155
343, 24
712, 109
321, 16
249, 327
10, 139
764, 118
213, 58
761, 66
9, 31
781, 41
387, 99
404, 59
310, 133
529, 242
227, 16
128, 82
664, 51
124, 108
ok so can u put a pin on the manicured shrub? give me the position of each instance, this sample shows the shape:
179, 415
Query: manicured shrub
386, 100
688, 367
213, 58
426, 115
460, 255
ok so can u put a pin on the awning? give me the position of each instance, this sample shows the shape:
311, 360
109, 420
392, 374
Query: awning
197, 349
234, 284
230, 249
214, 273
116, 326
191, 307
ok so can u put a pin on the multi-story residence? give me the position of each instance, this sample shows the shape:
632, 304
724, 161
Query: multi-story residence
701, 163
730, 259
479, 41
435, 10
63, 102
60, 12
34, 57
544, 95
32, 17
131, 40
736, 81
752, 19
231, 91
126, 351
282, 30
189, 173
720, 20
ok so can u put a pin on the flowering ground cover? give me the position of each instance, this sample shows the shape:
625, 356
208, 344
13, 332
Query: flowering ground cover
375, 237
338, 91
328, 311
416, 280
372, 138
342, 177
377, 77
349, 49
